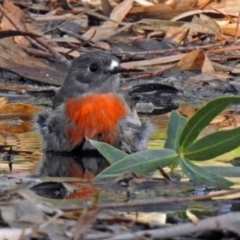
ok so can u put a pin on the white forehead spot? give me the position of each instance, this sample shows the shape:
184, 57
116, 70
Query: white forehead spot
113, 64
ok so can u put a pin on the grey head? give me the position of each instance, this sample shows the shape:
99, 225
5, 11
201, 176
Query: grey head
92, 72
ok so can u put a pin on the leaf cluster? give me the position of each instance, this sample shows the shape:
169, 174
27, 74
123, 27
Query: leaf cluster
182, 146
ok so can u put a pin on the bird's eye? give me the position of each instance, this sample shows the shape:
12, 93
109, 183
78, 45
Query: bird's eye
93, 67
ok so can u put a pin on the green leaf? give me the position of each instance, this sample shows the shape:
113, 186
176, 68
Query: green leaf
110, 153
203, 117
213, 145
175, 126
201, 175
143, 162
232, 171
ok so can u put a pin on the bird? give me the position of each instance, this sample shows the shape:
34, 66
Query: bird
91, 105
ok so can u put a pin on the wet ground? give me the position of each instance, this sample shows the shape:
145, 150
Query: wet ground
72, 184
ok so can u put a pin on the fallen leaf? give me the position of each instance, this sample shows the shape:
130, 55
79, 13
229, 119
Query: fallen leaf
23, 127
3, 101
229, 28
17, 17
154, 61
2, 140
169, 11
196, 60
14, 59
20, 110
204, 24
118, 14
164, 11
176, 35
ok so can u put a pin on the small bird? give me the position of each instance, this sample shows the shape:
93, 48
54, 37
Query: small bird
90, 105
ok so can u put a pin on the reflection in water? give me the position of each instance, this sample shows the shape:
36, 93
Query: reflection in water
72, 164
154, 98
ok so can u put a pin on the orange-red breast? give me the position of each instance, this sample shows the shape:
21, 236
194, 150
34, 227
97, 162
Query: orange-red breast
90, 105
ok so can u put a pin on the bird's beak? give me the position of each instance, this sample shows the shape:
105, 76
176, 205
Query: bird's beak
121, 70
118, 69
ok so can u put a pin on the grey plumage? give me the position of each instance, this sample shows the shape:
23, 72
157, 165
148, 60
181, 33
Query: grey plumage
132, 134
79, 80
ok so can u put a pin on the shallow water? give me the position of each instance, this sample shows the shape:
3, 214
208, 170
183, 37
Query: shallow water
76, 172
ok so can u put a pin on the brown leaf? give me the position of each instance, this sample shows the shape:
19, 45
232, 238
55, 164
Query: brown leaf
20, 110
14, 59
164, 11
154, 61
10, 127
225, 7
16, 118
106, 7
17, 17
207, 66
176, 35
229, 28
156, 24
118, 14
13, 33
2, 140
204, 24
21, 140
195, 60
3, 101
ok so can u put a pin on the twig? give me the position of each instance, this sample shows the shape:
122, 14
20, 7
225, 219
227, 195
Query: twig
65, 17
51, 220
228, 222
100, 16
81, 38
41, 41
237, 27
156, 201
151, 74
180, 49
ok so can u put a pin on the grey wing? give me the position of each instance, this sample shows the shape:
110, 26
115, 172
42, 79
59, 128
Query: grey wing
52, 128
134, 134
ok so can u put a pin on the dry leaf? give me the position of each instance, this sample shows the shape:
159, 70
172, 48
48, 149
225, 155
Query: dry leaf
196, 60
3, 101
2, 140
176, 35
229, 28
19, 108
17, 16
156, 24
14, 59
22, 127
165, 11
154, 61
67, 50
118, 14
225, 7
204, 24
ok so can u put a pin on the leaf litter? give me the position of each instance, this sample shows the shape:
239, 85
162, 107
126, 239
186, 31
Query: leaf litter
169, 40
